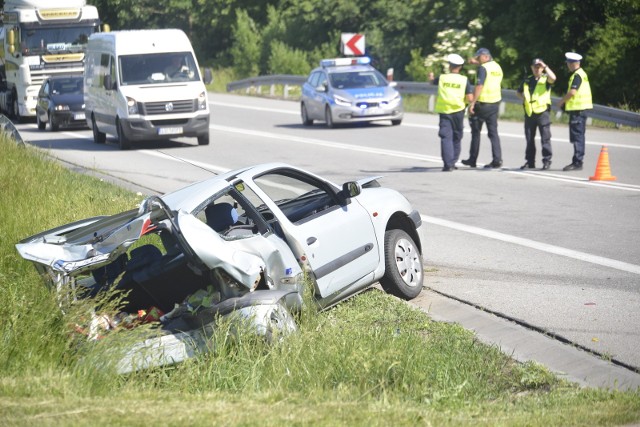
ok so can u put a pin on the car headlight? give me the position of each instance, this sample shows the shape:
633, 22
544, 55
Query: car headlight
132, 106
202, 101
396, 99
61, 107
341, 101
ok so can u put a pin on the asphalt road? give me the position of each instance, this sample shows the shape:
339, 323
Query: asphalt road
550, 249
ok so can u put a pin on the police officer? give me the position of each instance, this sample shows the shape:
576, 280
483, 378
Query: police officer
575, 102
535, 91
484, 107
454, 92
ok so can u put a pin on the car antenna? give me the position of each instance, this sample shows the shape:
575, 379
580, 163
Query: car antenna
187, 162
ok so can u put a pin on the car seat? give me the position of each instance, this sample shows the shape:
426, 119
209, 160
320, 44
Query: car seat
221, 216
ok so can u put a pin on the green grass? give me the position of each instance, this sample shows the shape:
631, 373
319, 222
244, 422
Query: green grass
371, 360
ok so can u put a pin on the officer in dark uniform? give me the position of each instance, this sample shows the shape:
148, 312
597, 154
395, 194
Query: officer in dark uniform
535, 91
484, 108
575, 102
454, 92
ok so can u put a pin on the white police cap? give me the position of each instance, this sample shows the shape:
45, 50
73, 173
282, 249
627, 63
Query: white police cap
572, 57
455, 59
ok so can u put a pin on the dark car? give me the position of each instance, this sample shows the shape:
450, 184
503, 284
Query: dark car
61, 103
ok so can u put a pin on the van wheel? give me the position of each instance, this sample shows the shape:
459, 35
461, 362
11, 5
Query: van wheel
328, 118
203, 139
98, 137
123, 141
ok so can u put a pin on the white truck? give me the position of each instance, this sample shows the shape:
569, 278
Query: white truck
144, 85
40, 38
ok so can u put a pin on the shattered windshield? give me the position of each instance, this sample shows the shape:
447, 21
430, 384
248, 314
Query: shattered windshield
44, 41
157, 68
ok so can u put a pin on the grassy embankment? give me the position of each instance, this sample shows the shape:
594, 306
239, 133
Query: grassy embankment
372, 360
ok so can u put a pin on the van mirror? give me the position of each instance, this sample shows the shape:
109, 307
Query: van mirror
208, 76
108, 83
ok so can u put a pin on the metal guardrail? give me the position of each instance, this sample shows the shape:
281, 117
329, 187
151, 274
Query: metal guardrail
7, 126
600, 112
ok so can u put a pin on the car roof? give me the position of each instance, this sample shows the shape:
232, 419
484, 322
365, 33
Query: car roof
345, 68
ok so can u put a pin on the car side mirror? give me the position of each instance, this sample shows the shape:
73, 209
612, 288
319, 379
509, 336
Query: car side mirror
208, 76
350, 189
321, 88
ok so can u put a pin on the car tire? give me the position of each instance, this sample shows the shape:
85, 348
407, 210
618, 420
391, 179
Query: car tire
396, 122
123, 141
328, 117
41, 125
280, 324
306, 121
53, 125
203, 139
404, 271
98, 137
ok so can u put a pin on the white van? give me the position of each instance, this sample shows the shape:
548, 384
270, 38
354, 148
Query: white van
144, 85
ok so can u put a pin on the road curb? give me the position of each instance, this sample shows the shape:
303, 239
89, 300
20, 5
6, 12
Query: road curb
523, 345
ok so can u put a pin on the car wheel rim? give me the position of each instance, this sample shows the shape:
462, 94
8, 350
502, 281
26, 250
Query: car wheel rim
408, 262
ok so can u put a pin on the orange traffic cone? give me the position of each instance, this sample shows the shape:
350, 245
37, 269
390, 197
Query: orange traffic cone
603, 171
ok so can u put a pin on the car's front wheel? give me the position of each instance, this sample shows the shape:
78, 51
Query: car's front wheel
404, 272
306, 121
53, 124
203, 139
41, 125
328, 117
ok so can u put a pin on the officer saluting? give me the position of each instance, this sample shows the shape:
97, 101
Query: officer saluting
575, 102
536, 94
454, 92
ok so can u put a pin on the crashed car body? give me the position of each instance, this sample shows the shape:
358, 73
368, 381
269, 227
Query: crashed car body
250, 240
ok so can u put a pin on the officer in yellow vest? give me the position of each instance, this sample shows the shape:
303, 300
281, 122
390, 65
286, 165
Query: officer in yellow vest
454, 92
575, 102
535, 91
484, 107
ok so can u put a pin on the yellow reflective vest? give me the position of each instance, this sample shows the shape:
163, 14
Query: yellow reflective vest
451, 92
582, 99
539, 100
492, 91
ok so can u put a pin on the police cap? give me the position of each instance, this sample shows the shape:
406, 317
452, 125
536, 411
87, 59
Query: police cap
573, 57
482, 51
455, 59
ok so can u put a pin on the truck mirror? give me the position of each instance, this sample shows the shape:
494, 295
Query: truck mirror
108, 83
11, 38
208, 76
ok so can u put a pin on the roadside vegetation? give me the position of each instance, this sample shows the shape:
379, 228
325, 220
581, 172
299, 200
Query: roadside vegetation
372, 360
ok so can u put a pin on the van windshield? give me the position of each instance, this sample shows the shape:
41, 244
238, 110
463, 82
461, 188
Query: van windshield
158, 68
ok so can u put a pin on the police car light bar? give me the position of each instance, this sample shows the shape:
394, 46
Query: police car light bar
338, 62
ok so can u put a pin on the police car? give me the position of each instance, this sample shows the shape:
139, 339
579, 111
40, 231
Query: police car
346, 90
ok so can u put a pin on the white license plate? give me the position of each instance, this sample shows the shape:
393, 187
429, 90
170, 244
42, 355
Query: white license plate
170, 131
371, 111
78, 116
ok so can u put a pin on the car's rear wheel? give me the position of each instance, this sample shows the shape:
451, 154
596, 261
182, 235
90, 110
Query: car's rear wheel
123, 141
404, 272
203, 139
41, 125
306, 121
98, 137
328, 117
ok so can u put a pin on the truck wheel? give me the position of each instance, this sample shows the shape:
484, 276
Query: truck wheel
403, 269
123, 141
16, 109
203, 139
98, 137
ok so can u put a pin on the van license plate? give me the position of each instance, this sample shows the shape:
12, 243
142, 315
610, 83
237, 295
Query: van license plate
170, 131
78, 116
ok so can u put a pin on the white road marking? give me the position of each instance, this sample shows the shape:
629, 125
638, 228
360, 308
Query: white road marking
416, 125
557, 250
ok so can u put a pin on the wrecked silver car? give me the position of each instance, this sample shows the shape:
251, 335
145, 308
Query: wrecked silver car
243, 244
